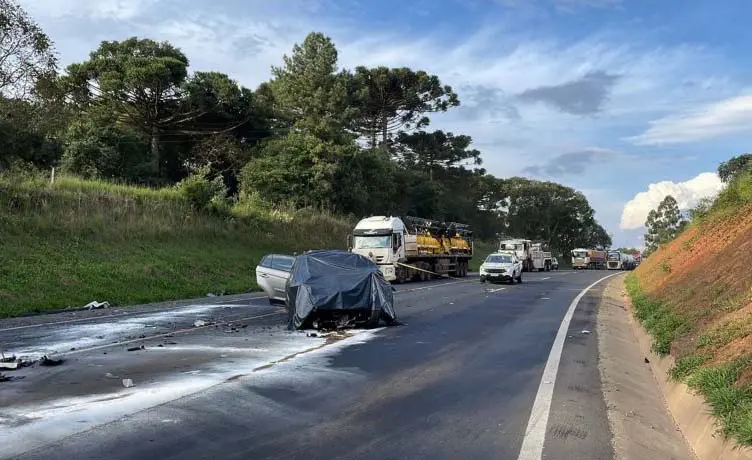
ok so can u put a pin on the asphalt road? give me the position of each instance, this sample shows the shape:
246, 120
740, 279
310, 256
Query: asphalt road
459, 379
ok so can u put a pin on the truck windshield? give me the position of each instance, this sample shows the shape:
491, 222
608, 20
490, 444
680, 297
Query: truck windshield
614, 256
579, 254
499, 259
372, 242
511, 247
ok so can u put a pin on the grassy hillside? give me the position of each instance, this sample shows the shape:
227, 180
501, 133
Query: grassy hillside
78, 241
67, 244
695, 297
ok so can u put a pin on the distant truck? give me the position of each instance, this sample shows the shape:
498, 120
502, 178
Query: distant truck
588, 259
532, 255
618, 260
412, 248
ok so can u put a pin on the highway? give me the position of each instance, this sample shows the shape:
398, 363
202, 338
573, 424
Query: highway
464, 376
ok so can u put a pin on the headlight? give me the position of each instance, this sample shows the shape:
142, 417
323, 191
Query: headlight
482, 269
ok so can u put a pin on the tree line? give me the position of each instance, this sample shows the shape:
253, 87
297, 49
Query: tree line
353, 141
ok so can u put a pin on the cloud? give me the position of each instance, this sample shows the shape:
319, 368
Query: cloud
687, 195
579, 97
572, 162
729, 116
560, 5
94, 9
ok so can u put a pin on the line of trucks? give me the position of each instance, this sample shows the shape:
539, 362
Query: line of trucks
596, 259
412, 248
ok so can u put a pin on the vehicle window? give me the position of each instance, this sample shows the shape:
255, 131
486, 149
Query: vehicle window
266, 261
283, 263
373, 242
499, 259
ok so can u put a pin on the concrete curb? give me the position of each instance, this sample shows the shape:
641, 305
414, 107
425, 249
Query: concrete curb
689, 410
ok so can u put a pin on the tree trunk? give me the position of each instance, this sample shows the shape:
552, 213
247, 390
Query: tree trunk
384, 134
155, 155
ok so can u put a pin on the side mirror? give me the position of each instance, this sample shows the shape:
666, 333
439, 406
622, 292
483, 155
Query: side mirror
349, 243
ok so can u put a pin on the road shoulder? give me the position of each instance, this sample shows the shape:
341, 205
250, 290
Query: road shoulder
640, 421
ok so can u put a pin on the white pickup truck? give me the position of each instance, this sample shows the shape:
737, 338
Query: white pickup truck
532, 255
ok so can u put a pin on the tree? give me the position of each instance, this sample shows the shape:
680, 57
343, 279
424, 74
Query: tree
140, 80
308, 90
663, 224
26, 53
729, 170
436, 151
391, 100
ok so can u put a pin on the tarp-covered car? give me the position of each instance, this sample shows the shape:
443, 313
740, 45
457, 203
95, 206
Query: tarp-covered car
333, 289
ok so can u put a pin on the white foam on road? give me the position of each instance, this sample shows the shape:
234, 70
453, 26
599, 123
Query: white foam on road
32, 426
535, 433
59, 340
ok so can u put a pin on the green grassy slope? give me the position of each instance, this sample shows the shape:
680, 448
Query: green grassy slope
78, 241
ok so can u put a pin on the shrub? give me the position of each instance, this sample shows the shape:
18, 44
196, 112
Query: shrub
204, 193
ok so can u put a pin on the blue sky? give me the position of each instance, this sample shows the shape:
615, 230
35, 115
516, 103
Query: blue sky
624, 100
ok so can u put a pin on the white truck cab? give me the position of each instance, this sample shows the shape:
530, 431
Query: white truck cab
381, 239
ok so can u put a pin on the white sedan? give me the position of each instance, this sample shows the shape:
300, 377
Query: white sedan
272, 274
501, 266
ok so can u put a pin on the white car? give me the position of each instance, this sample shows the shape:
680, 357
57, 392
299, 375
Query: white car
272, 274
501, 266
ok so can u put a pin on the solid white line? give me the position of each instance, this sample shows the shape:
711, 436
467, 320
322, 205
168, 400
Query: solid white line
546, 278
496, 290
535, 434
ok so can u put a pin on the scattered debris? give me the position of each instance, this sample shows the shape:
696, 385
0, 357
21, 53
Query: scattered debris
647, 361
171, 343
10, 362
5, 378
199, 323
244, 326
72, 349
50, 361
141, 347
111, 376
100, 337
312, 334
127, 383
94, 305
192, 372
160, 346
585, 331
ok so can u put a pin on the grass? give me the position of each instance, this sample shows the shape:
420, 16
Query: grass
77, 241
660, 321
481, 249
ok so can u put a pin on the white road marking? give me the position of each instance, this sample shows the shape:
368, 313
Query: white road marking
535, 434
546, 278
431, 286
496, 290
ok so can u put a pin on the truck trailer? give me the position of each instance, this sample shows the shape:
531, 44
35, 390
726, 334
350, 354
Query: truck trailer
532, 255
588, 259
412, 248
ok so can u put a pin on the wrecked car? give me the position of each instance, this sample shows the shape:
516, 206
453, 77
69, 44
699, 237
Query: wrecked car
333, 289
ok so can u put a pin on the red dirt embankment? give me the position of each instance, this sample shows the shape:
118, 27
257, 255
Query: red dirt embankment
705, 276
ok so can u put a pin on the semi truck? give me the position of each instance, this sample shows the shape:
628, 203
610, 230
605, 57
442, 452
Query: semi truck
618, 260
531, 254
588, 259
412, 248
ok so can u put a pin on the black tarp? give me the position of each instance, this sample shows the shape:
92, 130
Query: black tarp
335, 286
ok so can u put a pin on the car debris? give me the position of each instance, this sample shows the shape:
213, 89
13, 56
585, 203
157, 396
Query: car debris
111, 376
51, 361
94, 305
199, 323
127, 383
10, 362
140, 347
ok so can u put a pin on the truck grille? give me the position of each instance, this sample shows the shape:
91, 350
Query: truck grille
495, 270
613, 264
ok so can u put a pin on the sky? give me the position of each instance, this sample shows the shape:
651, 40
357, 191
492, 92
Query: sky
624, 100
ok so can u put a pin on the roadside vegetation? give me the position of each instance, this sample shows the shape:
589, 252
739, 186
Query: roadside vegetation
694, 295
225, 173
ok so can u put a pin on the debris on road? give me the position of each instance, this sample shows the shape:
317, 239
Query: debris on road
140, 347
127, 383
111, 376
585, 331
647, 361
50, 361
10, 362
94, 305
199, 323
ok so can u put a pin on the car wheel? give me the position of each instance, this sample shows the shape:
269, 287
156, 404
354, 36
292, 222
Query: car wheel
519, 277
